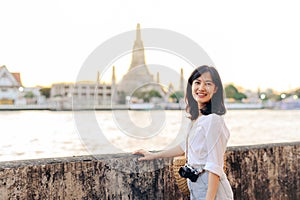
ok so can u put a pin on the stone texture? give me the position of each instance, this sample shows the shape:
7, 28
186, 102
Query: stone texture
103, 177
255, 172
265, 171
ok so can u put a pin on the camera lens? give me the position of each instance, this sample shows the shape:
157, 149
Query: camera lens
182, 172
193, 178
187, 172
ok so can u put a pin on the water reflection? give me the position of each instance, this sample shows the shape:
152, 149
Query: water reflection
42, 134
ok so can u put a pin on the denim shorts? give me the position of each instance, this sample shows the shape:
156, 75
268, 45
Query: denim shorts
198, 189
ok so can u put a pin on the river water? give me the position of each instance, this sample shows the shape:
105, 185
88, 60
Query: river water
45, 134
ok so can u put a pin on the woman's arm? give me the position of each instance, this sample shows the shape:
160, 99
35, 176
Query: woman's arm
172, 152
213, 184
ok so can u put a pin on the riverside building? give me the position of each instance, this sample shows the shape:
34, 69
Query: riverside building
138, 79
13, 95
10, 86
84, 94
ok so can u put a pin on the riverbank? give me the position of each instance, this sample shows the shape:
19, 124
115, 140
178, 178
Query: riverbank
148, 106
171, 106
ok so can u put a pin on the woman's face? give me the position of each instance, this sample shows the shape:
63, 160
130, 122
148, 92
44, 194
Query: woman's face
203, 88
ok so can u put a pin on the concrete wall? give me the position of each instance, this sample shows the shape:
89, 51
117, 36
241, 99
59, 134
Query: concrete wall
269, 171
255, 172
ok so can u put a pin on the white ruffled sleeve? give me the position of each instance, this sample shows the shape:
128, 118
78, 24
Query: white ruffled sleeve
217, 137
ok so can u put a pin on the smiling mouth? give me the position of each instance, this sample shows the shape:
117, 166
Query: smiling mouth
201, 95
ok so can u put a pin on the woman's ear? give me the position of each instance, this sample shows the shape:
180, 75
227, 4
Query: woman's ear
216, 89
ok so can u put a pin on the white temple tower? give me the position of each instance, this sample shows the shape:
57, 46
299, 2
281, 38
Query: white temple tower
138, 75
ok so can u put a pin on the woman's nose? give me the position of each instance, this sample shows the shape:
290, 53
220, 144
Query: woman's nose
202, 86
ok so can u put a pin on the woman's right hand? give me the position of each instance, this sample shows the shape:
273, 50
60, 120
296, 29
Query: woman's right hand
146, 154
172, 152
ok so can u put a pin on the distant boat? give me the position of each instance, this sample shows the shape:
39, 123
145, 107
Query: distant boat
141, 106
24, 107
288, 105
157, 106
237, 106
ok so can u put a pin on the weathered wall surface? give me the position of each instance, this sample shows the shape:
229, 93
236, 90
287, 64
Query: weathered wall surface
269, 171
255, 172
102, 177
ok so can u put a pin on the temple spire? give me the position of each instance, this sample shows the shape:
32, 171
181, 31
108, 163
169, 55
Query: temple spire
138, 74
157, 78
181, 86
138, 54
113, 78
98, 77
138, 32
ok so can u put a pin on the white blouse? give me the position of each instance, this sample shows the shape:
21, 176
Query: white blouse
208, 137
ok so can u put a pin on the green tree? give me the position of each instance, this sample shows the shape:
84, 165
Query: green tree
29, 95
154, 93
147, 95
138, 94
297, 92
45, 92
232, 92
239, 96
269, 94
177, 95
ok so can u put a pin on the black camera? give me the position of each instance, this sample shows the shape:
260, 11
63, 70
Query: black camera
188, 171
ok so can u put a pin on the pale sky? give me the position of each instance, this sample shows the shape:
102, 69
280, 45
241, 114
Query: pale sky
252, 43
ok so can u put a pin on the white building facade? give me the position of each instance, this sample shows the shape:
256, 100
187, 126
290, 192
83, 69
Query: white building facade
10, 86
85, 94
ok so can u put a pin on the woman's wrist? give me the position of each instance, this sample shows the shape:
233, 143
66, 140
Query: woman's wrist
157, 155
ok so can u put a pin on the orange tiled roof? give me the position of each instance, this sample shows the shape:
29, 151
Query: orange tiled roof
17, 77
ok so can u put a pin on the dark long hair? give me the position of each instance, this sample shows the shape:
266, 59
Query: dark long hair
215, 105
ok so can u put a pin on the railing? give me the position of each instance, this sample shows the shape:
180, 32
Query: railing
255, 172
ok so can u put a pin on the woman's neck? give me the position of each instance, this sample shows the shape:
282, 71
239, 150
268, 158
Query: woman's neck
200, 114
200, 106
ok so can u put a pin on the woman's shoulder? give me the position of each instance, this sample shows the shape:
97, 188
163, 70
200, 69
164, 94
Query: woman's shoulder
213, 117
212, 120
216, 123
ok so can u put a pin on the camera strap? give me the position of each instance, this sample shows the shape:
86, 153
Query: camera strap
187, 147
187, 141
